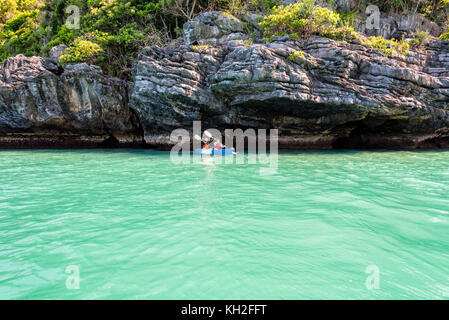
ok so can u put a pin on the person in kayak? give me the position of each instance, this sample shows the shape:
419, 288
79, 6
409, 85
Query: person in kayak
212, 143
207, 144
218, 145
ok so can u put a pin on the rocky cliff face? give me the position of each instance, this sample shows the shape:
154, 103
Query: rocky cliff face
44, 105
391, 25
319, 93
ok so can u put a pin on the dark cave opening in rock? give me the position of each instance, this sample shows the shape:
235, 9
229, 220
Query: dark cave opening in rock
110, 142
373, 133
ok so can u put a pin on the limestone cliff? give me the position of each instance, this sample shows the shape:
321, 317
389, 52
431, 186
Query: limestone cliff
44, 105
319, 93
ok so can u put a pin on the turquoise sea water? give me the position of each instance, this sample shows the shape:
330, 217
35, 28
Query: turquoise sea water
135, 225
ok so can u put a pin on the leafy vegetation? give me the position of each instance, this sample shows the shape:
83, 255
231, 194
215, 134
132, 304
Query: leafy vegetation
296, 54
20, 31
421, 38
200, 49
445, 36
304, 18
388, 47
81, 50
301, 19
249, 43
436, 10
111, 33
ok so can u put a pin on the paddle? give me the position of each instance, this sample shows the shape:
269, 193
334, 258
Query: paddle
197, 137
208, 134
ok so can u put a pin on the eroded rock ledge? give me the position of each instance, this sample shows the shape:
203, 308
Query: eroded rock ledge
44, 105
320, 94
332, 95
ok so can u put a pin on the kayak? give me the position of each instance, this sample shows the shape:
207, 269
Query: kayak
213, 152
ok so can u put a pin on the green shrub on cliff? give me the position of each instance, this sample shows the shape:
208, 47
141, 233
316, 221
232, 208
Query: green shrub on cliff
388, 47
200, 49
8, 9
304, 19
300, 19
420, 39
21, 34
445, 36
33, 27
296, 54
80, 51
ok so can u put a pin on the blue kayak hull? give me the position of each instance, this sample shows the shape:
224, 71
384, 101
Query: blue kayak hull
223, 152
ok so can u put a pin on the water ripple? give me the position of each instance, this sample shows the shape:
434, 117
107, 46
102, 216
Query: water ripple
138, 226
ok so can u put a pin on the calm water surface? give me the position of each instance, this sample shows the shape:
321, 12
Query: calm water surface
138, 226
